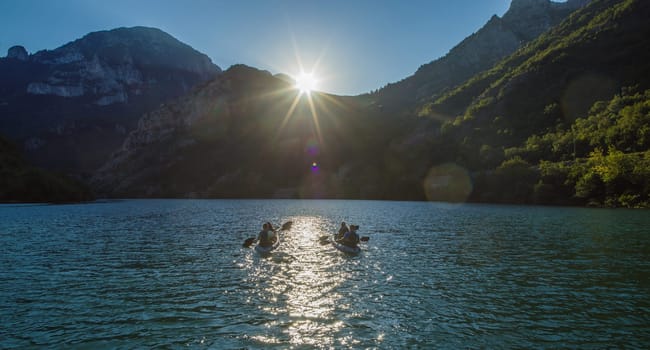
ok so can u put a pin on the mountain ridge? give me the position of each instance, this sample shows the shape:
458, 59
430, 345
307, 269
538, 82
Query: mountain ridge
531, 116
367, 152
550, 51
499, 134
71, 106
498, 38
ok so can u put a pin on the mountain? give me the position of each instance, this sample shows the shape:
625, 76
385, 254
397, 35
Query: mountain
20, 182
524, 21
244, 134
70, 107
562, 120
556, 79
560, 115
549, 104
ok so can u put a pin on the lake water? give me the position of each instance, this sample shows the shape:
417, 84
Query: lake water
174, 274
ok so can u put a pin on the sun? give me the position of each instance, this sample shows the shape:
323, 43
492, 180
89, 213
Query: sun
306, 82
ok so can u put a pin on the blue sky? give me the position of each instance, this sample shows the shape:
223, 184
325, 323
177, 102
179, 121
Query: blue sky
360, 45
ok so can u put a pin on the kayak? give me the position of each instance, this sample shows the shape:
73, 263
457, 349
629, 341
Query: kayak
266, 250
345, 248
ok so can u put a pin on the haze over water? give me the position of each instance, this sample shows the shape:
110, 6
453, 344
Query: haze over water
147, 273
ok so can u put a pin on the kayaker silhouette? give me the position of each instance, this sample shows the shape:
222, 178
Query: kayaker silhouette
343, 230
264, 237
350, 238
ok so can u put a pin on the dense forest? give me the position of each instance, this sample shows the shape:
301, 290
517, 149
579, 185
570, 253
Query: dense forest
602, 159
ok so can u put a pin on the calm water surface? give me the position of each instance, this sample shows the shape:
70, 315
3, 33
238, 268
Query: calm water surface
174, 274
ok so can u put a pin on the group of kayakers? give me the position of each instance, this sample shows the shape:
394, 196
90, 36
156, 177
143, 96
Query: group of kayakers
347, 235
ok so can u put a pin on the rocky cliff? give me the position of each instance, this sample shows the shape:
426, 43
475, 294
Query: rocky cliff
109, 66
71, 106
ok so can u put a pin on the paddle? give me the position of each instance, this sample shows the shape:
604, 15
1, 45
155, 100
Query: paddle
249, 241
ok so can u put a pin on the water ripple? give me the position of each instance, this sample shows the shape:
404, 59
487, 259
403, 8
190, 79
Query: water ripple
172, 274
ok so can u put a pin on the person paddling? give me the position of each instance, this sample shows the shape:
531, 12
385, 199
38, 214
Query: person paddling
264, 238
351, 238
343, 230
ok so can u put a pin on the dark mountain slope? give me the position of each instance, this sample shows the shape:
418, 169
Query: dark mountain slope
245, 134
20, 182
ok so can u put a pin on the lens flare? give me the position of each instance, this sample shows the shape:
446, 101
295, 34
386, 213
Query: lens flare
447, 183
311, 147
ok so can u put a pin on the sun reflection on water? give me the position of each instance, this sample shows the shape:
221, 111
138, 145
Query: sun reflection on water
297, 288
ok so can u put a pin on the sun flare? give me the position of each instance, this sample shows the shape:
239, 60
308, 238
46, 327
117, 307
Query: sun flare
306, 82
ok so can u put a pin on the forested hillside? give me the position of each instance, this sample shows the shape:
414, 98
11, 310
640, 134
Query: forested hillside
550, 123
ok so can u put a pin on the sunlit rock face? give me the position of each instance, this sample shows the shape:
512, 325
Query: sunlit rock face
88, 86
110, 65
